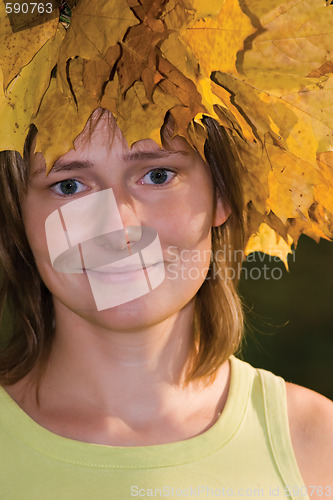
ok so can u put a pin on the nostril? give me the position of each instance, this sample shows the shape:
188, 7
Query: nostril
116, 240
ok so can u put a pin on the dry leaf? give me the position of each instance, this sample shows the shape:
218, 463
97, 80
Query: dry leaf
290, 184
139, 118
93, 30
273, 244
20, 102
323, 193
208, 8
139, 48
311, 228
176, 84
296, 38
17, 49
97, 72
216, 41
60, 117
111, 96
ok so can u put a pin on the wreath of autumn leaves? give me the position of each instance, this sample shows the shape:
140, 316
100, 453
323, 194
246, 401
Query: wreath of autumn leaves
263, 70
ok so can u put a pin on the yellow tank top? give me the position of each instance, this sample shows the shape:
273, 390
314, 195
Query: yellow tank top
246, 453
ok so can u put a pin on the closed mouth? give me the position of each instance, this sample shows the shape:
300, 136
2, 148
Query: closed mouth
121, 270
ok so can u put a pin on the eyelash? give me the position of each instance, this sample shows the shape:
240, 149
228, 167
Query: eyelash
156, 169
56, 184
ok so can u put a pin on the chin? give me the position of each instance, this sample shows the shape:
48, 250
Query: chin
148, 310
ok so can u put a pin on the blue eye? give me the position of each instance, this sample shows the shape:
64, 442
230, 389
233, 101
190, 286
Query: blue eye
159, 176
68, 187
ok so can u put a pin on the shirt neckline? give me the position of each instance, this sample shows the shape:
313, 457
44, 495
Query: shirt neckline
86, 454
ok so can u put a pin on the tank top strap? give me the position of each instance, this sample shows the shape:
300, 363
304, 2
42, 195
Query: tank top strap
276, 416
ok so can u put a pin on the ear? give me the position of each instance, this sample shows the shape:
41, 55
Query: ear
222, 211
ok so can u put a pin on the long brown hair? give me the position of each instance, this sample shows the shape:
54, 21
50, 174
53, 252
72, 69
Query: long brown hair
21, 290
218, 319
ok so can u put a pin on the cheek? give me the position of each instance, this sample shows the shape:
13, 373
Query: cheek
185, 235
189, 219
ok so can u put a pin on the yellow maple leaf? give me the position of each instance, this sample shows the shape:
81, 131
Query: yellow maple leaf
139, 57
237, 120
178, 14
291, 182
323, 191
18, 48
208, 8
96, 72
314, 106
289, 148
270, 113
267, 241
296, 37
60, 118
93, 30
138, 118
20, 102
311, 228
254, 179
216, 41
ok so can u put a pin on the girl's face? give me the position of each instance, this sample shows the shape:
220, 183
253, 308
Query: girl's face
169, 190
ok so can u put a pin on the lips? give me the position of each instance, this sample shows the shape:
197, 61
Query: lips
112, 269
125, 275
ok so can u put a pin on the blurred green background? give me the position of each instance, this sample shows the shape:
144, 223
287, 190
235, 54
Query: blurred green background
290, 320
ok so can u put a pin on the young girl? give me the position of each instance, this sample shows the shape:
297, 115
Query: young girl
142, 398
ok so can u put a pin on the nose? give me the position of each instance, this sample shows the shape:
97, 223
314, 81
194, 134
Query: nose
132, 230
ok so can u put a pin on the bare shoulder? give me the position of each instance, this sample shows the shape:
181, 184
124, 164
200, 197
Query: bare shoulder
311, 427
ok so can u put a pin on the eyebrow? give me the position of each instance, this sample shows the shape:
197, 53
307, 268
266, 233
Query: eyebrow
152, 155
61, 166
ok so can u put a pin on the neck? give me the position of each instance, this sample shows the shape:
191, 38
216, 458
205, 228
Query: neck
119, 370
